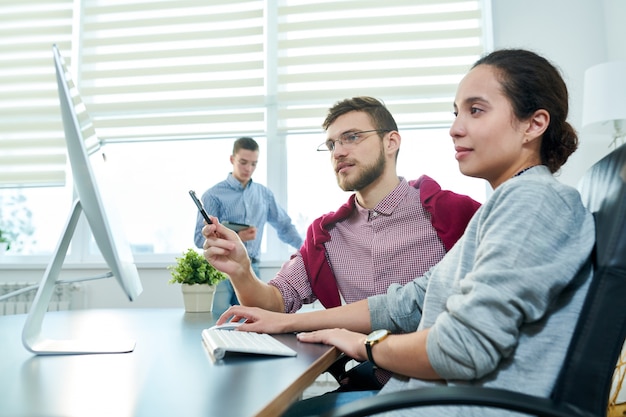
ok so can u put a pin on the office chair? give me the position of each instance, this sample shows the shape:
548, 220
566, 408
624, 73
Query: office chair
584, 383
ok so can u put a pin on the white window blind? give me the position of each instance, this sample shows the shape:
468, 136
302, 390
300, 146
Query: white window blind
32, 147
409, 53
187, 69
173, 69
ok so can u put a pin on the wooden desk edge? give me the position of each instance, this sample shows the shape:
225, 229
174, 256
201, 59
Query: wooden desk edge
283, 400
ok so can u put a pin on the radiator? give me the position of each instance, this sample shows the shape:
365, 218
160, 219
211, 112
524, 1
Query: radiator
66, 297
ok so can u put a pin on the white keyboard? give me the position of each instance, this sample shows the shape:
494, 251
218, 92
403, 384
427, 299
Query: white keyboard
219, 342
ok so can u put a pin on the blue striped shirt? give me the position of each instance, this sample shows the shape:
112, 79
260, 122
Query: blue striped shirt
254, 205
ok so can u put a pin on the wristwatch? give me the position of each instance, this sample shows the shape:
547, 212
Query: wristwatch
373, 338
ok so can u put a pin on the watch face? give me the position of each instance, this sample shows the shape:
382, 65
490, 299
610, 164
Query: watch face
377, 334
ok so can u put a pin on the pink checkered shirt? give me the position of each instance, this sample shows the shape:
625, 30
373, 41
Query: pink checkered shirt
370, 250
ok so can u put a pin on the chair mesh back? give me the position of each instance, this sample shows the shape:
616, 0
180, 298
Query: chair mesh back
585, 380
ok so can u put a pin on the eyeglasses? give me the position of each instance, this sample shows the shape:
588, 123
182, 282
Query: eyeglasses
348, 139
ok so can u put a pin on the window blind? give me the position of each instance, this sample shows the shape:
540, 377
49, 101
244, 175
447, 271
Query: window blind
173, 69
152, 70
32, 147
409, 53
184, 69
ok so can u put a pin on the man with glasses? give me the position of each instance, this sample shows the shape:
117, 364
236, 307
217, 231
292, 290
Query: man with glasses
389, 231
239, 200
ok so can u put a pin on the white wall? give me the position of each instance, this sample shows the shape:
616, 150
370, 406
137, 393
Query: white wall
573, 34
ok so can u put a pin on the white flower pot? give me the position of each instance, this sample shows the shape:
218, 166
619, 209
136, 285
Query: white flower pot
198, 298
3, 247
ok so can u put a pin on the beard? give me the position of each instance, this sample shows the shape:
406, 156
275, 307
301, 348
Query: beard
366, 177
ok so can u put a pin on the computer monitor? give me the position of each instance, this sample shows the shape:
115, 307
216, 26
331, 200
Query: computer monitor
103, 220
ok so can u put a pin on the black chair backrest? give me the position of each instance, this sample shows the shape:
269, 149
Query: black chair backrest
585, 379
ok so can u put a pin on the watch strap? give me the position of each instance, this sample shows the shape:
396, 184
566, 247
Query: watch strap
368, 350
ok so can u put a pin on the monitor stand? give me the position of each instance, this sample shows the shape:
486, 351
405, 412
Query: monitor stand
31, 334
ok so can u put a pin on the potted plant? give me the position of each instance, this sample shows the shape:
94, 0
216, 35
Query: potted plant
198, 278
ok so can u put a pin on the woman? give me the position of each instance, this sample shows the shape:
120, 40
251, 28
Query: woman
500, 308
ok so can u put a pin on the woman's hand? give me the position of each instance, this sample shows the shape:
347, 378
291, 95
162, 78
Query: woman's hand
351, 343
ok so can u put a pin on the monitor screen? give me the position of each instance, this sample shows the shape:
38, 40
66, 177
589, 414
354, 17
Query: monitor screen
95, 200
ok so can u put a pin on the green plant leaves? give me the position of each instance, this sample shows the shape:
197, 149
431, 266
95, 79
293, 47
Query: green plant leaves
192, 268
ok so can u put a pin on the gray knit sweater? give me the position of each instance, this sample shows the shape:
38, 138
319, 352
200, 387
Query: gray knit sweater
502, 304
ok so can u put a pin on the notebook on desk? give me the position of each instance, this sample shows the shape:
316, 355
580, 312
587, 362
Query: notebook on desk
220, 342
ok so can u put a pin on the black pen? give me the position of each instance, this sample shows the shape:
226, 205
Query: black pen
195, 199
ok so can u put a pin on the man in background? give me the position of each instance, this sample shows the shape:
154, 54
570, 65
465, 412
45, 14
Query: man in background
238, 199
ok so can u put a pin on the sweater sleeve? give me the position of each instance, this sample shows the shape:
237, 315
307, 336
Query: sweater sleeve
530, 241
400, 309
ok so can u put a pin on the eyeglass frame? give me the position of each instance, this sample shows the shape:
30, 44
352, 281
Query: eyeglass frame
326, 145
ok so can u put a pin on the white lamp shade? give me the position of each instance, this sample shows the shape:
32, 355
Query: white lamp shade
604, 96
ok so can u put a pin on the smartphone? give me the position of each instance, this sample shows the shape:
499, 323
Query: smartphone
195, 199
